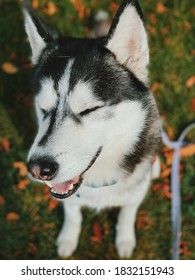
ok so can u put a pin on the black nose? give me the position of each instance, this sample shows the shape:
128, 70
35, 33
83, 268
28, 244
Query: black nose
43, 169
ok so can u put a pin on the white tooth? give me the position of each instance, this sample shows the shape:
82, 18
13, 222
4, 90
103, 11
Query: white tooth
71, 187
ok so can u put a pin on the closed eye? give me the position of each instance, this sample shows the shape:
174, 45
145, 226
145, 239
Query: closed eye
88, 111
44, 111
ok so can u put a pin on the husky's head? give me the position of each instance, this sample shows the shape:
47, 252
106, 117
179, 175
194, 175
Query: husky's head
91, 101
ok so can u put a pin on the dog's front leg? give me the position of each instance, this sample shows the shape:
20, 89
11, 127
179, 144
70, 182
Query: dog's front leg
69, 235
125, 231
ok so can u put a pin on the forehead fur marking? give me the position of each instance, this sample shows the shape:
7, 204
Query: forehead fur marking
56, 114
63, 85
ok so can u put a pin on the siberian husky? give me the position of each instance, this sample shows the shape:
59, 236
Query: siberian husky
99, 125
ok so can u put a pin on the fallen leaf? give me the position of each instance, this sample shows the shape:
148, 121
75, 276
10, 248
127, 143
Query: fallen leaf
166, 191
163, 166
12, 217
2, 200
22, 184
35, 229
157, 187
5, 144
143, 220
169, 157
184, 248
113, 7
165, 173
192, 104
150, 29
9, 68
35, 4
23, 171
187, 25
170, 131
79, 7
187, 151
190, 82
97, 235
47, 226
155, 86
50, 9
32, 249
53, 204
153, 18
37, 217
163, 189
160, 8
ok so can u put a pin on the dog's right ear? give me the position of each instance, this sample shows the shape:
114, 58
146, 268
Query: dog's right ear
127, 39
39, 34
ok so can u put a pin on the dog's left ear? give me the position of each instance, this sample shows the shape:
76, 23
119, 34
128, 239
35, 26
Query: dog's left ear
39, 34
127, 39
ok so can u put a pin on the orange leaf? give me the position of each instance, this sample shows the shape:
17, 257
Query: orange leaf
166, 191
114, 7
5, 144
79, 7
192, 104
157, 187
184, 248
12, 217
160, 8
170, 131
155, 86
187, 151
35, 4
50, 9
165, 173
190, 82
169, 158
53, 204
23, 184
153, 18
9, 68
2, 200
22, 168
97, 235
163, 189
143, 220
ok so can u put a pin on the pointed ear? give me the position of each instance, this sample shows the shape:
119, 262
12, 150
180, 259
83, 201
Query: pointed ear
127, 39
38, 33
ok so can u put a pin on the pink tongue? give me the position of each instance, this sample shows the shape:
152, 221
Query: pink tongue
65, 186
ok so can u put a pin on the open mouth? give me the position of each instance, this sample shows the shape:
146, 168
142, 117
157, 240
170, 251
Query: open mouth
66, 189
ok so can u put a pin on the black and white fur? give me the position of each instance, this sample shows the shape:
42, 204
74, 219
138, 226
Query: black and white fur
98, 122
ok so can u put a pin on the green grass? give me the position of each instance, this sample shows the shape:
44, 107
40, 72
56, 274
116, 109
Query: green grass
32, 234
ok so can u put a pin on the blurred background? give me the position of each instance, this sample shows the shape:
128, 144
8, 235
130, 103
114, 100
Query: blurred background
29, 219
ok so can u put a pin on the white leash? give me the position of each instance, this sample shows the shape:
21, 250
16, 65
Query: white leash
175, 187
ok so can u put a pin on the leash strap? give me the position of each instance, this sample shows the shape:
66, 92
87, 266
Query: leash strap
175, 187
